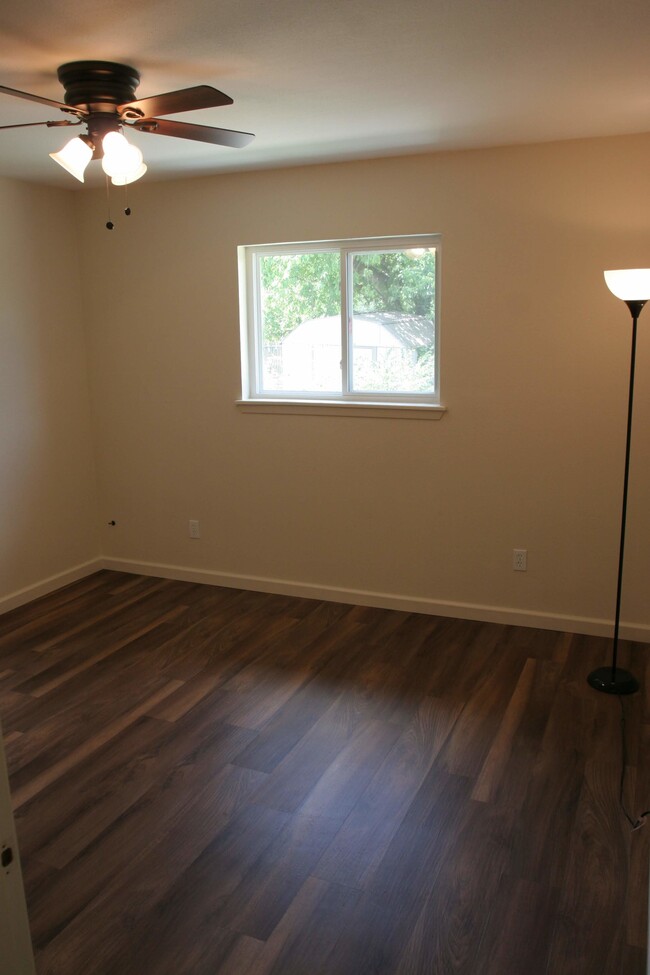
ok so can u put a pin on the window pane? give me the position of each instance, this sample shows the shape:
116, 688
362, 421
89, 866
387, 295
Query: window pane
392, 321
300, 299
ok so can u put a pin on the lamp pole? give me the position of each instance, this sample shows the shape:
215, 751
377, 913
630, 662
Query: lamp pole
628, 286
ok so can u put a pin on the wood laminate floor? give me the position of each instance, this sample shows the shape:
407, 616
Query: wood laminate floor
215, 782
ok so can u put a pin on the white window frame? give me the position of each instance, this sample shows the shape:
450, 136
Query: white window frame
255, 398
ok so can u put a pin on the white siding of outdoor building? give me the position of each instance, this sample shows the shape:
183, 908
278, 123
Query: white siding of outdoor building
311, 353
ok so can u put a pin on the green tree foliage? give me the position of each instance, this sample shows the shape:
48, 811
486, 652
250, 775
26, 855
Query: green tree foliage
298, 287
402, 282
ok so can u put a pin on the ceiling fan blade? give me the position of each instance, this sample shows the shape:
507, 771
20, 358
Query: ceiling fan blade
29, 125
198, 133
40, 100
185, 100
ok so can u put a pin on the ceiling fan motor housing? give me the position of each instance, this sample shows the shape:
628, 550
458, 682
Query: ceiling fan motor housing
98, 86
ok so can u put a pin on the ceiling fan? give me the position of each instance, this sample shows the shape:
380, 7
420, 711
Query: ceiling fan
101, 95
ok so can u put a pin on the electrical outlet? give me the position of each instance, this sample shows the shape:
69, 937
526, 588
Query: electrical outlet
519, 559
194, 529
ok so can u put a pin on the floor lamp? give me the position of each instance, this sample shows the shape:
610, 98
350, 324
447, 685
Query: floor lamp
633, 287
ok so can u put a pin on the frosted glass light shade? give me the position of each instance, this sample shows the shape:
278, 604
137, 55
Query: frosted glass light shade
129, 177
74, 157
632, 284
121, 159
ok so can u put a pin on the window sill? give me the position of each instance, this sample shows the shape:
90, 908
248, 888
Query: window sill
393, 411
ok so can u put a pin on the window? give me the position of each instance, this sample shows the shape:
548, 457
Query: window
349, 322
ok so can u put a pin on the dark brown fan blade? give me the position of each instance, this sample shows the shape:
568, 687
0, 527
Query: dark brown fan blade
199, 133
185, 100
29, 125
40, 100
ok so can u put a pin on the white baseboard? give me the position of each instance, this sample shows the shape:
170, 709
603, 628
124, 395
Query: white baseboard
45, 586
408, 604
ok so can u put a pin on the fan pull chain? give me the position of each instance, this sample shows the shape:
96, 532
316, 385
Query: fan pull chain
127, 208
109, 222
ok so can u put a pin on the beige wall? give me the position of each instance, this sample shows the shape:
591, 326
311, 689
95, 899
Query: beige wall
535, 355
47, 484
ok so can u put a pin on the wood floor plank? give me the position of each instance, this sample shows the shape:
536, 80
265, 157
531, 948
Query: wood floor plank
634, 961
366, 833
543, 829
451, 927
221, 644
51, 683
65, 816
303, 940
520, 930
42, 614
326, 662
48, 776
527, 742
103, 633
309, 645
483, 709
40, 637
595, 880
290, 782
344, 781
406, 872
186, 698
142, 829
66, 719
266, 892
210, 781
501, 747
94, 940
637, 914
242, 957
114, 786
44, 605
199, 902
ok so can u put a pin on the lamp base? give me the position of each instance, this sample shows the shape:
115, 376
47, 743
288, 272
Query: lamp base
613, 682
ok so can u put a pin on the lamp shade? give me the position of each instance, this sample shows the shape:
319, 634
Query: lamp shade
129, 177
74, 157
632, 284
121, 159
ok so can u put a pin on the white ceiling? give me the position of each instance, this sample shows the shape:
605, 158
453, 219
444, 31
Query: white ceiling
337, 79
